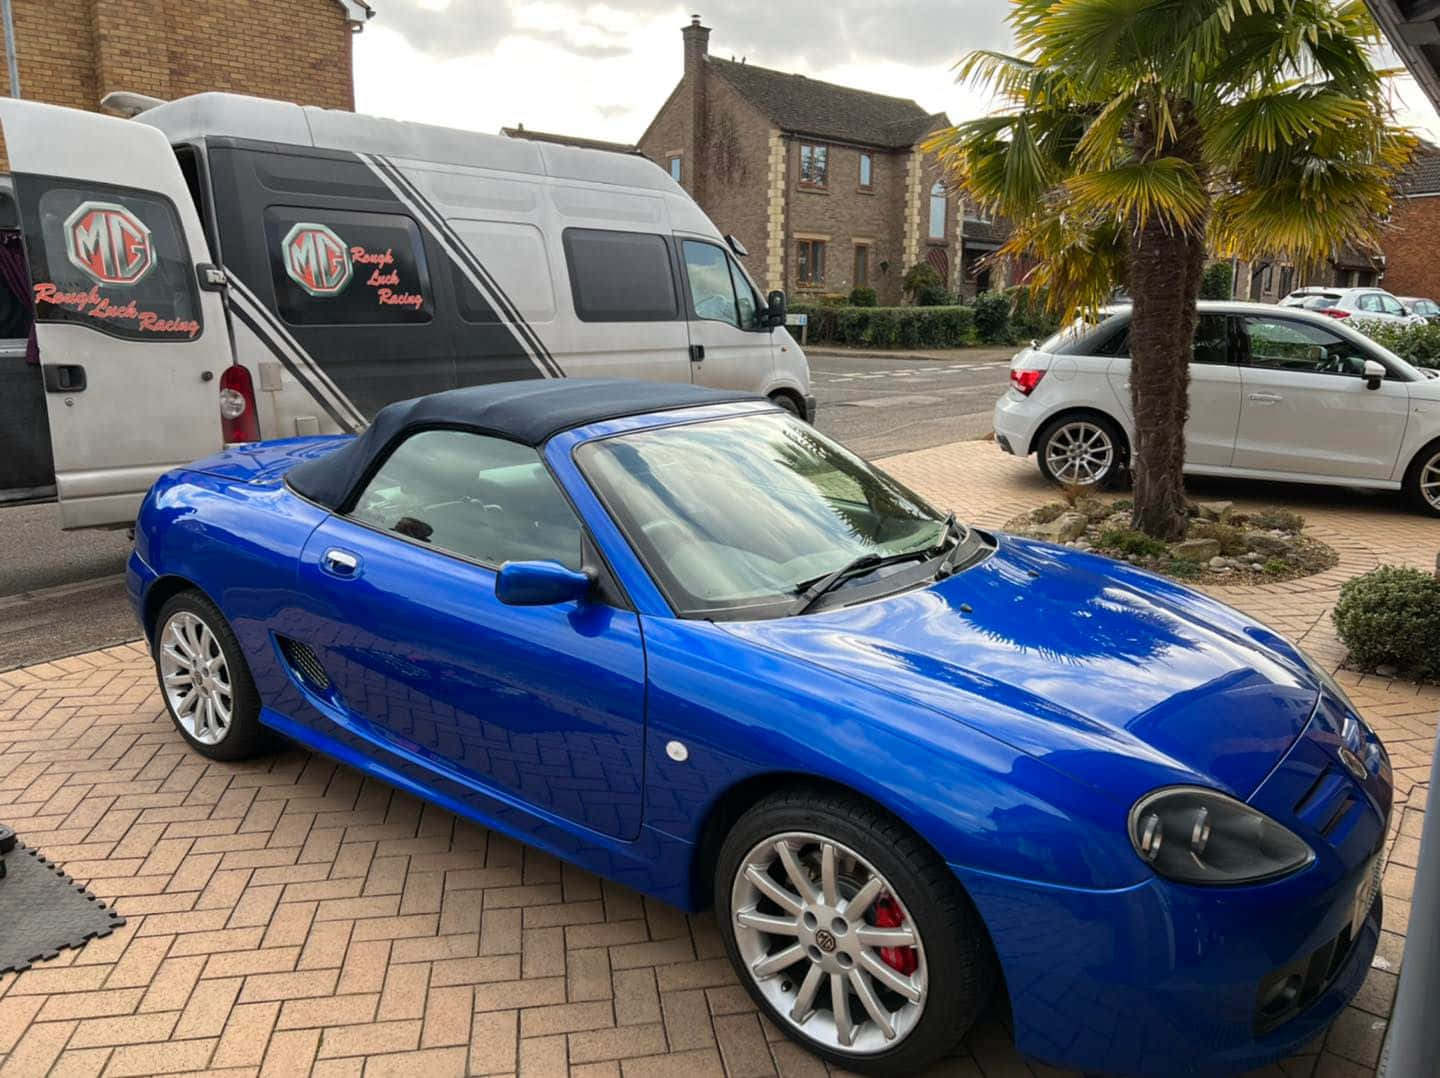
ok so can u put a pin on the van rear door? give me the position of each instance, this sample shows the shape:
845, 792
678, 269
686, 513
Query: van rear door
131, 346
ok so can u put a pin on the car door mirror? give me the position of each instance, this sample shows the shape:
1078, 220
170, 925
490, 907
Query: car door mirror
540, 583
775, 313
1374, 373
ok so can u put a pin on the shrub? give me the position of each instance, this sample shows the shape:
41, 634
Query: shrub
1217, 282
1126, 541
1231, 539
834, 299
864, 297
1391, 616
934, 295
1272, 516
992, 317
921, 275
1029, 319
1419, 345
890, 327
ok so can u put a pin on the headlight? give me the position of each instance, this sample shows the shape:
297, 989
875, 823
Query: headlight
1196, 835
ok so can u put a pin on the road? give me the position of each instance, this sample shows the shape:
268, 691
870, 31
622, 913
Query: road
63, 592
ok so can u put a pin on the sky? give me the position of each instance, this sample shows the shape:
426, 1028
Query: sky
604, 70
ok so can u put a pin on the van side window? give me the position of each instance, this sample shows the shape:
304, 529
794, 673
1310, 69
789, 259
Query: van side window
712, 290
620, 276
113, 259
340, 267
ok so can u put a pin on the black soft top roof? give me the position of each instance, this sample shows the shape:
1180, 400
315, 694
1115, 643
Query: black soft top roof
529, 412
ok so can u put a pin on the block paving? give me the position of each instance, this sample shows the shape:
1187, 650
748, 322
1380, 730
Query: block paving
287, 916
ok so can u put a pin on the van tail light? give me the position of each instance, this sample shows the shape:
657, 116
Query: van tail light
239, 422
1025, 381
1334, 312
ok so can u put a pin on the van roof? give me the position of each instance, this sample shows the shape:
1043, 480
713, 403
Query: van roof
212, 115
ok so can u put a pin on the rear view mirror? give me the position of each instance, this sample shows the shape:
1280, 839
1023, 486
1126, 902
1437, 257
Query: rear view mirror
775, 315
1374, 373
539, 583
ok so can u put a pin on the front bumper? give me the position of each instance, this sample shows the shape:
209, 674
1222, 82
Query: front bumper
810, 407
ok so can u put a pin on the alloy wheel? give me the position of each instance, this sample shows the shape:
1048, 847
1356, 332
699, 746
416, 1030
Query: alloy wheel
195, 678
1430, 481
1081, 453
828, 942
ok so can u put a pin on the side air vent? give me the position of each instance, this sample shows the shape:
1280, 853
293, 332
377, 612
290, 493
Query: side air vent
305, 663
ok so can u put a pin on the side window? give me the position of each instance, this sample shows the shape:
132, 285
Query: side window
337, 267
1279, 344
1369, 302
484, 499
112, 259
1212, 342
620, 276
1116, 346
745, 297
1391, 305
712, 290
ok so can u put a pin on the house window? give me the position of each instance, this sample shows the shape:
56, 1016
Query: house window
975, 213
1287, 280
1269, 285
938, 205
674, 166
862, 265
867, 166
813, 165
810, 263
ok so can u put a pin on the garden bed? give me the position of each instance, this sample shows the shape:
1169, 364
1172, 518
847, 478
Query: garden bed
1222, 544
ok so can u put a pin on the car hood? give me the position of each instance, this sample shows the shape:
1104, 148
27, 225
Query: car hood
1117, 677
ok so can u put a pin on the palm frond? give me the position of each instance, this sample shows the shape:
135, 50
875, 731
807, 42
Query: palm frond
1280, 116
1132, 193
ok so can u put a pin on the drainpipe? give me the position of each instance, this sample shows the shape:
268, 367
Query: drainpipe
1412, 1044
10, 57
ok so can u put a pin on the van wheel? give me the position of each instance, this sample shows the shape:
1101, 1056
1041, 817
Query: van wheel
1422, 479
1081, 451
849, 933
787, 402
205, 681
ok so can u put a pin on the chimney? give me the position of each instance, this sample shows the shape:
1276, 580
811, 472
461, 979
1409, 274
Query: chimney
697, 47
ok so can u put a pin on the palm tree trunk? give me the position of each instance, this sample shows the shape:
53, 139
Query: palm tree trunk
1166, 264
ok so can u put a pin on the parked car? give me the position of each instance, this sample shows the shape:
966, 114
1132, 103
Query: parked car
1362, 304
366, 260
1426, 308
1275, 393
682, 639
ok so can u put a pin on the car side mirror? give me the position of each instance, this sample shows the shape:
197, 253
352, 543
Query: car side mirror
775, 314
1374, 373
540, 583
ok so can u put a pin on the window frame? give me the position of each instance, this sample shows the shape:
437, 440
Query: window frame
810, 282
692, 315
800, 180
944, 197
571, 276
866, 159
675, 165
861, 259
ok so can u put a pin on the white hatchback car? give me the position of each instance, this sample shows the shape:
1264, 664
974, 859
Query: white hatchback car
1362, 304
1275, 393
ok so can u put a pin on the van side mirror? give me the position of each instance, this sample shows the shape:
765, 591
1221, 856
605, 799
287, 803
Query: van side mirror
775, 315
1374, 373
540, 583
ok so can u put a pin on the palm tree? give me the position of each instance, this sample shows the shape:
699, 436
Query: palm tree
1140, 136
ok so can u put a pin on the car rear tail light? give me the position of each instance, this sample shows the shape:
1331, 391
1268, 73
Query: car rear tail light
239, 421
1025, 381
1334, 312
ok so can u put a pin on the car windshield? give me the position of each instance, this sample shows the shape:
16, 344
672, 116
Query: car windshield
736, 517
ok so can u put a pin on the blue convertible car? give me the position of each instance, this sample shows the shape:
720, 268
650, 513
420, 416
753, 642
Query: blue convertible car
680, 638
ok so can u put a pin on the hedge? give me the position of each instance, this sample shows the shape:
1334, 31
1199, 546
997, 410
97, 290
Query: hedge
890, 327
1419, 345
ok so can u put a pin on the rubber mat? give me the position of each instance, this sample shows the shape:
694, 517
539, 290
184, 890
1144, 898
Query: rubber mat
43, 910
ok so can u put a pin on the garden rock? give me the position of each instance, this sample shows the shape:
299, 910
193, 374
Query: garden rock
1215, 510
1196, 549
1063, 528
1269, 544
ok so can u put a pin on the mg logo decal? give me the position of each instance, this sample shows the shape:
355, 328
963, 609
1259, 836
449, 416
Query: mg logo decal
109, 243
316, 259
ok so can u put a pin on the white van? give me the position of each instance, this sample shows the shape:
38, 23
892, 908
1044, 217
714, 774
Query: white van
223, 269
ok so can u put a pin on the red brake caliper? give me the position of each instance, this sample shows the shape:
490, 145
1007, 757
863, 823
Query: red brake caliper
887, 915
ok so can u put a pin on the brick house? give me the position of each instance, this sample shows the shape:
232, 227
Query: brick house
74, 52
1411, 266
825, 185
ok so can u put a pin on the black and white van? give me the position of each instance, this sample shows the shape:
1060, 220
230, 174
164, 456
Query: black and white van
222, 269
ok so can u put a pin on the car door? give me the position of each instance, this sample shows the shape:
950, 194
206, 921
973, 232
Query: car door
728, 347
1214, 391
544, 704
131, 340
1307, 407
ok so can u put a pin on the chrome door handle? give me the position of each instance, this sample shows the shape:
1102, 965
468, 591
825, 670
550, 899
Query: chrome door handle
1266, 398
339, 562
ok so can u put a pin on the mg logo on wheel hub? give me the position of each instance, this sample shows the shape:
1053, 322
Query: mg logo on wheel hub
825, 941
109, 243
316, 259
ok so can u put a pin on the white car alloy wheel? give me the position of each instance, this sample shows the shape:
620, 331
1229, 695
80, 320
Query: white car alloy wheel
828, 943
196, 678
1080, 452
1429, 481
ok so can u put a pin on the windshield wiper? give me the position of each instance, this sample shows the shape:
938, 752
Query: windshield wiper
863, 563
962, 537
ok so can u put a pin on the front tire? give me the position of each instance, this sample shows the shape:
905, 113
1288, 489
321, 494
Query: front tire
1422, 480
788, 403
849, 933
205, 681
1082, 451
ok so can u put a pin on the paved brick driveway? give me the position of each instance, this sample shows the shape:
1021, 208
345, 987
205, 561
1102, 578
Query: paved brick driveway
287, 916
